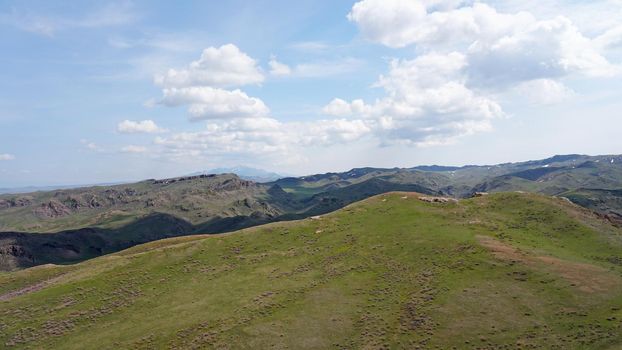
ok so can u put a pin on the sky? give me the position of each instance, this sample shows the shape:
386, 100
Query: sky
96, 91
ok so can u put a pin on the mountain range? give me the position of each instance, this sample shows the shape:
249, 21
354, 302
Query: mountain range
70, 225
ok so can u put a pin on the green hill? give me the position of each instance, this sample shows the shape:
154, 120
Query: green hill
503, 271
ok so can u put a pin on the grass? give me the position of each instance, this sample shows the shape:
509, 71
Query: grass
500, 271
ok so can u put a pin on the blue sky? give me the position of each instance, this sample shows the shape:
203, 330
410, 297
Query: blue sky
117, 91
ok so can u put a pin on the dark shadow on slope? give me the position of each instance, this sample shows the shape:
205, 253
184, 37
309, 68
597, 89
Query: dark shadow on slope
535, 174
20, 249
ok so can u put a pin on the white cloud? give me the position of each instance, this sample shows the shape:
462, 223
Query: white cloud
208, 103
469, 53
340, 108
279, 69
224, 66
200, 87
399, 23
332, 131
426, 102
542, 50
143, 126
261, 137
133, 149
337, 107
241, 136
389, 22
6, 156
545, 91
501, 48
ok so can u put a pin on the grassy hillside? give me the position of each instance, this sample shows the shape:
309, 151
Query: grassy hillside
501, 271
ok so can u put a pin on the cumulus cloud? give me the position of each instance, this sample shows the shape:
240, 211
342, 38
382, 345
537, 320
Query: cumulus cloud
262, 137
133, 149
143, 126
542, 50
341, 108
6, 156
337, 107
224, 66
332, 131
398, 23
426, 101
469, 54
201, 87
500, 48
247, 136
209, 103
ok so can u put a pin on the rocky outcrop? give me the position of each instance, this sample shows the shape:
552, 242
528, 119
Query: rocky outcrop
52, 209
15, 251
438, 199
115, 197
93, 201
14, 256
15, 202
233, 184
185, 178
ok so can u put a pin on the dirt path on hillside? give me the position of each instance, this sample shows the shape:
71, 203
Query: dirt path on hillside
28, 289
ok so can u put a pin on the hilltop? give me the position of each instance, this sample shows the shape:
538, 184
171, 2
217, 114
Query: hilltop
506, 270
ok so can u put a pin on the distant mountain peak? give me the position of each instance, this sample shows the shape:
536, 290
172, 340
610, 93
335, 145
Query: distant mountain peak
245, 172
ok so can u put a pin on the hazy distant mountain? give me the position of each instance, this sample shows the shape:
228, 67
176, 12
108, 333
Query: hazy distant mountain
246, 173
